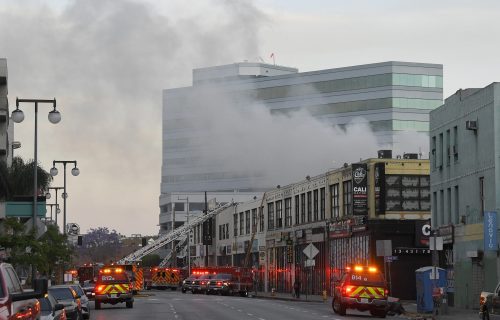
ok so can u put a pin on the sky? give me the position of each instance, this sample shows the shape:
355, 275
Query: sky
107, 62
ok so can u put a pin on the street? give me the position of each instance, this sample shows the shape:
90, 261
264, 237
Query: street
178, 306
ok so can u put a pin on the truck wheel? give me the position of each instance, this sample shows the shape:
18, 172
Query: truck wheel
97, 305
183, 290
378, 313
129, 304
485, 315
338, 307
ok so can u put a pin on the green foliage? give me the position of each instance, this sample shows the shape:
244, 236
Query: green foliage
151, 260
20, 177
24, 250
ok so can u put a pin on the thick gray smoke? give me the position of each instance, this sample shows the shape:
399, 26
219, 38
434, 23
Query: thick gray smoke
106, 62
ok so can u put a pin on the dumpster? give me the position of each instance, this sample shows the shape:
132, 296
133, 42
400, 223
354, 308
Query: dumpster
427, 287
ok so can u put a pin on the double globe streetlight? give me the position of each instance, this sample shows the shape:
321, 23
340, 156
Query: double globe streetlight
48, 196
75, 172
54, 117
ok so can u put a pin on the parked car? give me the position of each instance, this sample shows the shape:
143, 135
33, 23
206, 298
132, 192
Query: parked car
489, 304
84, 300
187, 284
201, 284
88, 288
51, 309
16, 303
70, 299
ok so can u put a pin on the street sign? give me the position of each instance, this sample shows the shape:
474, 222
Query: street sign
439, 243
390, 258
311, 251
310, 263
73, 229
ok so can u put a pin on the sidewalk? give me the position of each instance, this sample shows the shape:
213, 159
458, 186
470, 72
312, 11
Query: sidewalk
409, 306
453, 313
289, 297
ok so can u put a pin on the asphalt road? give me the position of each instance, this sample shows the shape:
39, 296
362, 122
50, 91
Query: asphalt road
173, 305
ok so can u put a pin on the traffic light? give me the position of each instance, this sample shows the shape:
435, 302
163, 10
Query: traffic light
144, 241
80, 240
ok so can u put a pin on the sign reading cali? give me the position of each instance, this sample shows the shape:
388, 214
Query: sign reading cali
490, 231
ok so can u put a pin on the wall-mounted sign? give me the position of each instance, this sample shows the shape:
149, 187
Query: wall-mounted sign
490, 231
380, 188
410, 251
359, 189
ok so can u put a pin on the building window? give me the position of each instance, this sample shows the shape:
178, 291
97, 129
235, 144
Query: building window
334, 191
297, 210
220, 233
347, 197
261, 219
270, 216
309, 206
407, 193
303, 208
448, 205
254, 220
227, 230
433, 153
448, 147
288, 212
322, 204
315, 205
440, 151
242, 223
279, 214
457, 206
235, 224
481, 195
455, 143
247, 222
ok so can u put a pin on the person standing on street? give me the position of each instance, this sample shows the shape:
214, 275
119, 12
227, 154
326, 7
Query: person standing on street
296, 288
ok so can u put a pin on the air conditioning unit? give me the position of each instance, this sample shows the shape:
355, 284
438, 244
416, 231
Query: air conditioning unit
410, 156
471, 125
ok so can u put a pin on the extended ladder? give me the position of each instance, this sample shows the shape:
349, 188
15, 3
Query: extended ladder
181, 246
171, 236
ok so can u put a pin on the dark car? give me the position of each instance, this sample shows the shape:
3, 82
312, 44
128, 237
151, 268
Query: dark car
187, 284
51, 309
88, 288
67, 296
201, 284
222, 283
84, 300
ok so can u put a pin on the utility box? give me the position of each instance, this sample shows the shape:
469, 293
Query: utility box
428, 283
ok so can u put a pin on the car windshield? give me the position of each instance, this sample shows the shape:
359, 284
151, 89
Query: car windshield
205, 276
61, 293
1, 287
78, 290
223, 276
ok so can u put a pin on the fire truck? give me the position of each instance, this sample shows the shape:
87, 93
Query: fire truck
88, 272
363, 288
226, 280
135, 274
165, 278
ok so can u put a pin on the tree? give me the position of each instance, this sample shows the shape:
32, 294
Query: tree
17, 180
99, 245
24, 250
54, 249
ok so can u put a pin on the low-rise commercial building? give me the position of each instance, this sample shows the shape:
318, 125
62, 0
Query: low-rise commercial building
343, 213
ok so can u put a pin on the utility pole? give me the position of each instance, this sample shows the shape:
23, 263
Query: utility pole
206, 232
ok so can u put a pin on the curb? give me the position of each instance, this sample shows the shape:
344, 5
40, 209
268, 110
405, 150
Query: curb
285, 299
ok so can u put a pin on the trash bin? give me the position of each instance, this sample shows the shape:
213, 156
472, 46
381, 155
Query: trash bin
425, 286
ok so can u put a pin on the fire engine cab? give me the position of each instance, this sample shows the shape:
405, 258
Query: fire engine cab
363, 288
113, 286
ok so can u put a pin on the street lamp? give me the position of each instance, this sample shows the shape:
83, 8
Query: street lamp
52, 205
18, 116
75, 172
48, 196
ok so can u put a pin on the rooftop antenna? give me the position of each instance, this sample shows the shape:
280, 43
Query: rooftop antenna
274, 59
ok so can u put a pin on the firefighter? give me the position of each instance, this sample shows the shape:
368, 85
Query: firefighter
296, 288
